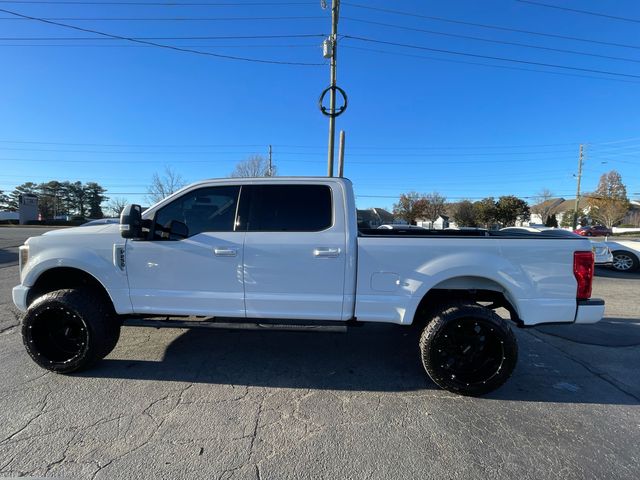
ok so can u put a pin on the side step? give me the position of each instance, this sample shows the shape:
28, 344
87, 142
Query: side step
288, 327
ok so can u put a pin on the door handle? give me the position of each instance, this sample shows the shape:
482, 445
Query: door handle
225, 252
326, 252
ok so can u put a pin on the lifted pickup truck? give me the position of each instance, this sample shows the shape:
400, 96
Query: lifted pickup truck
287, 253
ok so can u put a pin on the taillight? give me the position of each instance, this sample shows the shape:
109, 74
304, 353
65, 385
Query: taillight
583, 271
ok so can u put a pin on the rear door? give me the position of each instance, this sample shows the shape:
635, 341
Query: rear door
294, 251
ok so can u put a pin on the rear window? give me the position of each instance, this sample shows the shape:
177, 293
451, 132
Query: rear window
289, 208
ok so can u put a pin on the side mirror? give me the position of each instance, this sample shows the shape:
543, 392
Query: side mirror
131, 222
178, 230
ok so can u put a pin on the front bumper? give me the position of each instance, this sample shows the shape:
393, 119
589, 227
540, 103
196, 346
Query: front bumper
19, 294
589, 311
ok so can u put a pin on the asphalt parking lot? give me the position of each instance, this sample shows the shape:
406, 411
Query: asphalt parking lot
277, 405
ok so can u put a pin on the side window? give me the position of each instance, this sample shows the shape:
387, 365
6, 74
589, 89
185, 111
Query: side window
211, 209
290, 208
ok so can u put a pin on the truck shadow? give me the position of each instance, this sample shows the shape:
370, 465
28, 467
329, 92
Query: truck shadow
611, 273
374, 358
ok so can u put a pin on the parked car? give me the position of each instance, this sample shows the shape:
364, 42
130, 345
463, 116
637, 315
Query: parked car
594, 231
545, 231
520, 229
101, 221
285, 253
602, 254
400, 226
626, 255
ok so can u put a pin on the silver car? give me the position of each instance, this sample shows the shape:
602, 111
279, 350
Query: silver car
626, 255
602, 253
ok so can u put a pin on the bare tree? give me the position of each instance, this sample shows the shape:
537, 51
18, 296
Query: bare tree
254, 166
434, 207
163, 186
116, 205
544, 206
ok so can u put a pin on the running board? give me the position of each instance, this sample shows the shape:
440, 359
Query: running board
289, 327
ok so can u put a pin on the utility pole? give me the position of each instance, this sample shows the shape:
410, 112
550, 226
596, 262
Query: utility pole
270, 164
341, 155
330, 50
575, 213
335, 6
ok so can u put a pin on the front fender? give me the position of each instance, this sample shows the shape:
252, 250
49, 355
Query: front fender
97, 263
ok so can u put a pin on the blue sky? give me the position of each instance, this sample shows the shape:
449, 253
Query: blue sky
111, 111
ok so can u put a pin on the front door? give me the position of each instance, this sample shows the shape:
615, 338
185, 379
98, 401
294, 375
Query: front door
197, 274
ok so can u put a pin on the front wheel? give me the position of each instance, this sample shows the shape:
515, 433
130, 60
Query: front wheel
69, 330
624, 261
468, 349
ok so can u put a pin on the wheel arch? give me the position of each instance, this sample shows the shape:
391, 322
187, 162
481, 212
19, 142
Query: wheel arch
469, 289
59, 278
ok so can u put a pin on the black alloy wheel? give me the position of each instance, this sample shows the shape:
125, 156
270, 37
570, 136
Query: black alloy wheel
69, 330
468, 349
58, 335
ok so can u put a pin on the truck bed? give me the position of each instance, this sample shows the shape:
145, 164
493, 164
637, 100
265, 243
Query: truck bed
479, 233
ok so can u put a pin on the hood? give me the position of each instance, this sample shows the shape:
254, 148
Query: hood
91, 230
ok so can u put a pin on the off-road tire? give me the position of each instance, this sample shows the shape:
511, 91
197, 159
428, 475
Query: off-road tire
69, 330
468, 349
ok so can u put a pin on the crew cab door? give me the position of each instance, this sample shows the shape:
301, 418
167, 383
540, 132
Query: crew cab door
196, 274
294, 251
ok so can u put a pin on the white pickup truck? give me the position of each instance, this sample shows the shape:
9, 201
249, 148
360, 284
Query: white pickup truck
287, 253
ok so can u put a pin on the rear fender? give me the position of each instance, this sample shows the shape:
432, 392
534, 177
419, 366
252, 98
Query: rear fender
464, 271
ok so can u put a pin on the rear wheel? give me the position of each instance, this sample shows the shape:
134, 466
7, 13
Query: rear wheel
468, 349
68, 330
624, 261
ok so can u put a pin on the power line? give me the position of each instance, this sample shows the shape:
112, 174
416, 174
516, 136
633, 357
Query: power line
244, 45
431, 154
145, 42
372, 147
492, 27
162, 19
624, 140
425, 161
208, 37
585, 12
500, 42
506, 67
158, 4
491, 57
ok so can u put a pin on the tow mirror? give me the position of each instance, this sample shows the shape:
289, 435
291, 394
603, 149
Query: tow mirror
131, 222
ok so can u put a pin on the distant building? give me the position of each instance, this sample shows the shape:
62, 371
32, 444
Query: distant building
27, 208
633, 215
558, 207
440, 223
374, 217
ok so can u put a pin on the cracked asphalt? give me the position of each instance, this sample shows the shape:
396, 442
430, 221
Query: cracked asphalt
278, 405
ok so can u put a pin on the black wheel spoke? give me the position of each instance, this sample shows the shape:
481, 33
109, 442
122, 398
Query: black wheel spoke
467, 348
59, 335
